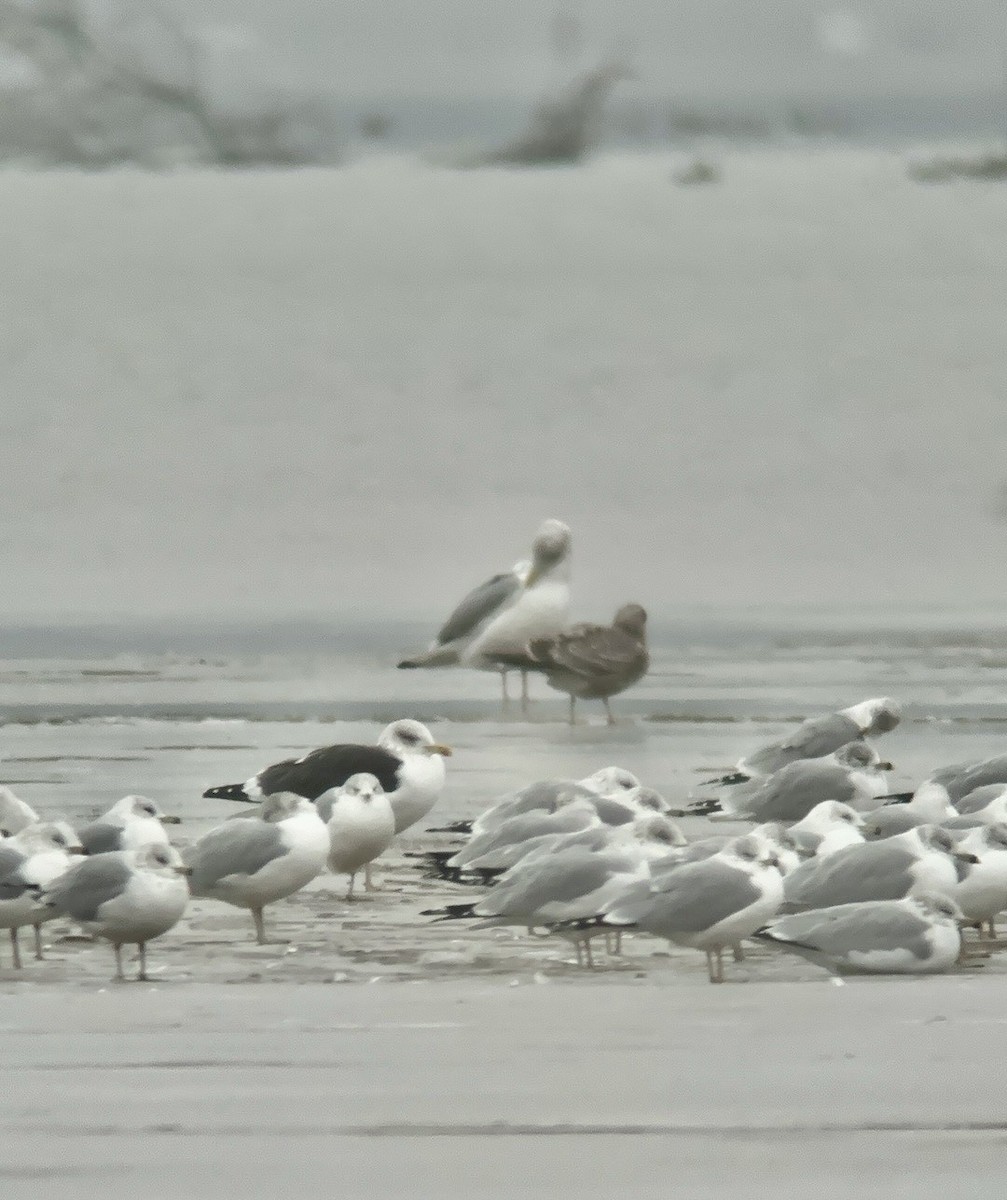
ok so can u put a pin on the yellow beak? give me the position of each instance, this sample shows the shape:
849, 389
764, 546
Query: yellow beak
184, 870
534, 575
437, 748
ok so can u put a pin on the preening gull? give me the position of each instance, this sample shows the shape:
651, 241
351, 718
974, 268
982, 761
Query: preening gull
595, 662
914, 936
407, 762
130, 824
709, 905
30, 860
490, 629
15, 814
253, 863
816, 737
852, 775
921, 859
126, 897
361, 826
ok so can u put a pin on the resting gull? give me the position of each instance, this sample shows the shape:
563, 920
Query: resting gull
253, 863
361, 826
15, 814
956, 782
852, 774
983, 892
490, 629
30, 860
914, 936
595, 662
709, 905
829, 827
130, 824
816, 737
126, 897
407, 762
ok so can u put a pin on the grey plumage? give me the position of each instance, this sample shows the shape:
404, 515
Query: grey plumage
82, 890
478, 606
814, 738
237, 848
692, 898
101, 838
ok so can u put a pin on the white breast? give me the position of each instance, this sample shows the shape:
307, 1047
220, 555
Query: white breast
358, 832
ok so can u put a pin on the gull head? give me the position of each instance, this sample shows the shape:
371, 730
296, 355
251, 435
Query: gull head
49, 835
860, 756
363, 785
281, 805
879, 715
611, 782
550, 548
162, 860
936, 904
407, 737
631, 619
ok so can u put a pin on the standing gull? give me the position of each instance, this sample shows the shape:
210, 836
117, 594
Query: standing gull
490, 629
14, 813
816, 737
31, 860
126, 897
361, 826
595, 662
253, 863
130, 824
407, 762
914, 936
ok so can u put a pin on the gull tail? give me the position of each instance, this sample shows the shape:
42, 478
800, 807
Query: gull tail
699, 808
229, 791
727, 780
450, 912
895, 798
436, 656
457, 827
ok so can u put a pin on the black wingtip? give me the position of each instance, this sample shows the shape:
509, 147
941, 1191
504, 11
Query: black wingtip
896, 798
407, 664
450, 912
727, 780
228, 791
701, 808
457, 827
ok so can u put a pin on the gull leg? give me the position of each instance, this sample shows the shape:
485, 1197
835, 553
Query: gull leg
504, 694
738, 951
349, 890
618, 941
142, 973
524, 691
573, 708
38, 943
15, 949
118, 961
588, 955
992, 928
260, 928
580, 953
720, 964
608, 712
369, 884
709, 966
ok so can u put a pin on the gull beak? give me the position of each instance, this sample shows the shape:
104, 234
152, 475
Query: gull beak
183, 870
437, 748
76, 850
962, 856
171, 820
534, 575
884, 766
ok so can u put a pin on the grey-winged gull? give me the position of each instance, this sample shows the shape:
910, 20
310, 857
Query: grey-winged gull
253, 863
852, 775
816, 737
983, 892
126, 897
829, 827
913, 936
15, 814
709, 905
361, 826
921, 859
406, 761
490, 629
595, 662
30, 860
130, 824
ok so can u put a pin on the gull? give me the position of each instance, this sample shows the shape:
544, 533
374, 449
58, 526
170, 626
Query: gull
983, 892
361, 825
125, 896
852, 774
709, 905
921, 859
816, 737
406, 761
130, 824
490, 629
253, 863
829, 827
30, 860
595, 662
15, 814
956, 782
913, 936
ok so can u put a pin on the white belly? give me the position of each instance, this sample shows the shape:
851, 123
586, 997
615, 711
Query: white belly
358, 833
541, 611
307, 851
421, 788
149, 906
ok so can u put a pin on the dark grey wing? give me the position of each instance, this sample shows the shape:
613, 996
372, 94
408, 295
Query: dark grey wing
81, 891
846, 928
867, 871
814, 738
328, 767
100, 838
11, 883
692, 898
557, 879
795, 789
237, 848
992, 770
478, 606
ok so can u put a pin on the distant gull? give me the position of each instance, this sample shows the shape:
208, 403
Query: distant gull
30, 860
15, 814
407, 762
361, 826
253, 863
491, 628
852, 775
126, 897
914, 936
130, 824
921, 859
816, 737
595, 662
709, 905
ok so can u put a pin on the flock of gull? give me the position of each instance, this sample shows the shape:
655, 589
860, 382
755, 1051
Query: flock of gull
833, 866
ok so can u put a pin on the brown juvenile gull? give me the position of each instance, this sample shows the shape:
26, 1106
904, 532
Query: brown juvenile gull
595, 662
491, 627
127, 897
